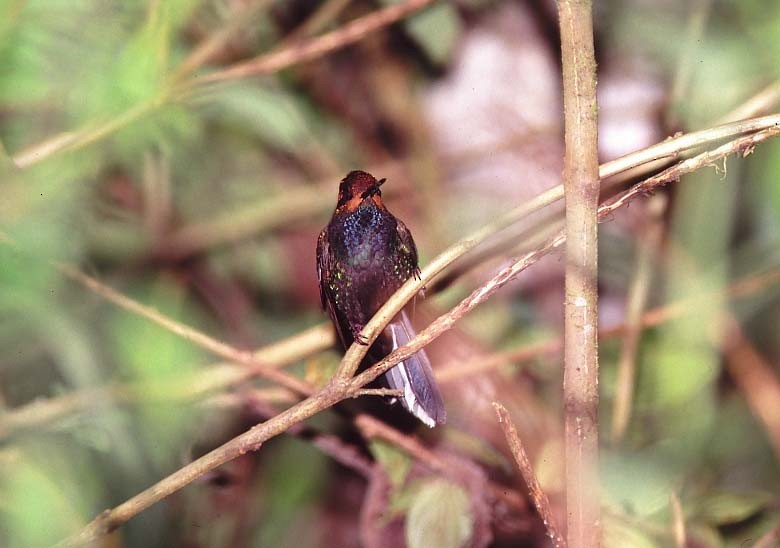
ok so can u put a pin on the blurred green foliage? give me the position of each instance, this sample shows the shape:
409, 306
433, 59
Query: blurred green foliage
99, 77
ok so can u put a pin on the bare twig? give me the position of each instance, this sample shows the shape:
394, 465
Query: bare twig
205, 50
188, 333
761, 103
316, 47
648, 243
756, 380
678, 521
749, 285
539, 497
372, 428
581, 362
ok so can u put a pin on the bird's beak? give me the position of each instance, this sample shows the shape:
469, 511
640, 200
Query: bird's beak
374, 190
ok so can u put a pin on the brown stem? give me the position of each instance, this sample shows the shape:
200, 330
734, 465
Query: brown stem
539, 497
581, 363
755, 378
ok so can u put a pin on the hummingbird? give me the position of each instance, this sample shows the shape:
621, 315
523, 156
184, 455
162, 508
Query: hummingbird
364, 255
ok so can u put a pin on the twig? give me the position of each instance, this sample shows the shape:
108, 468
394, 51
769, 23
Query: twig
743, 287
198, 338
377, 392
204, 51
341, 388
316, 47
372, 428
539, 497
756, 380
325, 13
581, 360
333, 446
648, 243
760, 103
678, 521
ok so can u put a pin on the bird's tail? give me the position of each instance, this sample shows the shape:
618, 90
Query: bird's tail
414, 376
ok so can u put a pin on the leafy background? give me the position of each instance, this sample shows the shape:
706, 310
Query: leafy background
204, 201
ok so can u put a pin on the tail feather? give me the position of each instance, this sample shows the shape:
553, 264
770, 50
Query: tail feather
414, 377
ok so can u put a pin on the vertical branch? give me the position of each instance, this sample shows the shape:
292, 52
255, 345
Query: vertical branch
651, 233
581, 186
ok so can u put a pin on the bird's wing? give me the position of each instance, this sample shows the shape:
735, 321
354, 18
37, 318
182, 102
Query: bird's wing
407, 244
323, 265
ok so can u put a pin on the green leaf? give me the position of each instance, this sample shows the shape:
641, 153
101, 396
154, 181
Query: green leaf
395, 462
477, 448
270, 113
617, 534
437, 29
47, 494
439, 517
731, 508
153, 356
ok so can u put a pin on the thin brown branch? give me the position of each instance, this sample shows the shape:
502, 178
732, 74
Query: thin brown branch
756, 379
539, 497
196, 337
372, 428
340, 451
749, 285
316, 47
648, 244
581, 360
763, 102
204, 51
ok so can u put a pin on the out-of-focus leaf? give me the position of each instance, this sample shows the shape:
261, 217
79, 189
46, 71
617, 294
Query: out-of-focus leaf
729, 508
45, 500
617, 534
395, 462
269, 113
638, 483
134, 76
477, 448
150, 355
439, 517
549, 466
295, 475
706, 537
437, 29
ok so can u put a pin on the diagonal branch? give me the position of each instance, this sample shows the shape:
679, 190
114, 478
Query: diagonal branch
316, 47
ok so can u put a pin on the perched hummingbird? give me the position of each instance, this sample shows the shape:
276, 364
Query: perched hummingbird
364, 255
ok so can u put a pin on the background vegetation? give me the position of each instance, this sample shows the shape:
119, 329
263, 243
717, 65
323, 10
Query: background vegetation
138, 146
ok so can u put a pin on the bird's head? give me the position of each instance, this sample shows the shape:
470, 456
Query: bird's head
357, 187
